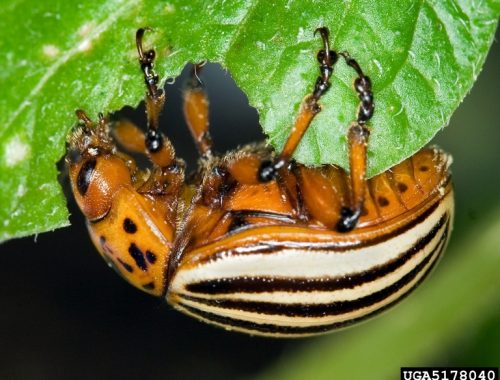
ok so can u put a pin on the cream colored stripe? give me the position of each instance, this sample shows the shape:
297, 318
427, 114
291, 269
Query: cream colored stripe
280, 320
302, 263
326, 297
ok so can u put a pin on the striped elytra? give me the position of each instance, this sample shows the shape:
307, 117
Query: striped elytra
253, 241
278, 275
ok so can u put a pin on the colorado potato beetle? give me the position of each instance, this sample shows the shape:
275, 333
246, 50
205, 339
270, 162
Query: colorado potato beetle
254, 241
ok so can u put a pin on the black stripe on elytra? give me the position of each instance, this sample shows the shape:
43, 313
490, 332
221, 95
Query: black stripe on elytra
262, 214
273, 284
268, 328
237, 223
85, 175
318, 310
138, 256
270, 247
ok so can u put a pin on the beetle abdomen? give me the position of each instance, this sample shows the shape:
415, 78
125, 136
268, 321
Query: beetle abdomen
296, 281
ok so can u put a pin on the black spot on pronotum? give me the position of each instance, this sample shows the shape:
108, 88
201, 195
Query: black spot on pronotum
151, 257
129, 226
102, 240
402, 187
138, 256
85, 175
424, 168
149, 286
383, 201
127, 267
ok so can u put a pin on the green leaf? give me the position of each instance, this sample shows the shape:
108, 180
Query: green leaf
57, 56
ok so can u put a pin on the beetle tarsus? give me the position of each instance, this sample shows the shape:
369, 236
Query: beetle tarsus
268, 169
357, 134
160, 150
154, 140
363, 86
146, 60
308, 110
348, 219
326, 58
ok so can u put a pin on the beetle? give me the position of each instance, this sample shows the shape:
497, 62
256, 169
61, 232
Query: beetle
254, 241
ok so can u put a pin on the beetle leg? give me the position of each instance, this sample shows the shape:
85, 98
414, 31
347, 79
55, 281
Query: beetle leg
132, 138
357, 137
196, 111
308, 110
129, 136
166, 177
158, 147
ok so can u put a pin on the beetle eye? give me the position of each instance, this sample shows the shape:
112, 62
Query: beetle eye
85, 175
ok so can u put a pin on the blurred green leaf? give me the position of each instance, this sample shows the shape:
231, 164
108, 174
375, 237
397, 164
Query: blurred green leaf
57, 56
446, 308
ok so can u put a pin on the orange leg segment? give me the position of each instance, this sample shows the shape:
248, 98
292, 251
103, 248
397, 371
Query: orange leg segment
129, 136
357, 135
159, 148
167, 173
308, 110
358, 138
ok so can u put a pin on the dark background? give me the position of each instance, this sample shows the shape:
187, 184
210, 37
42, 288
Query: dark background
64, 314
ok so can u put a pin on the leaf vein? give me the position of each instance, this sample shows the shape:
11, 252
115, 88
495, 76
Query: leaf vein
242, 25
100, 28
342, 22
433, 13
398, 68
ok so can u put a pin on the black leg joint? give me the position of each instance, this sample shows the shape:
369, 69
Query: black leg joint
267, 172
348, 220
362, 84
328, 60
320, 87
268, 169
366, 98
365, 113
154, 141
